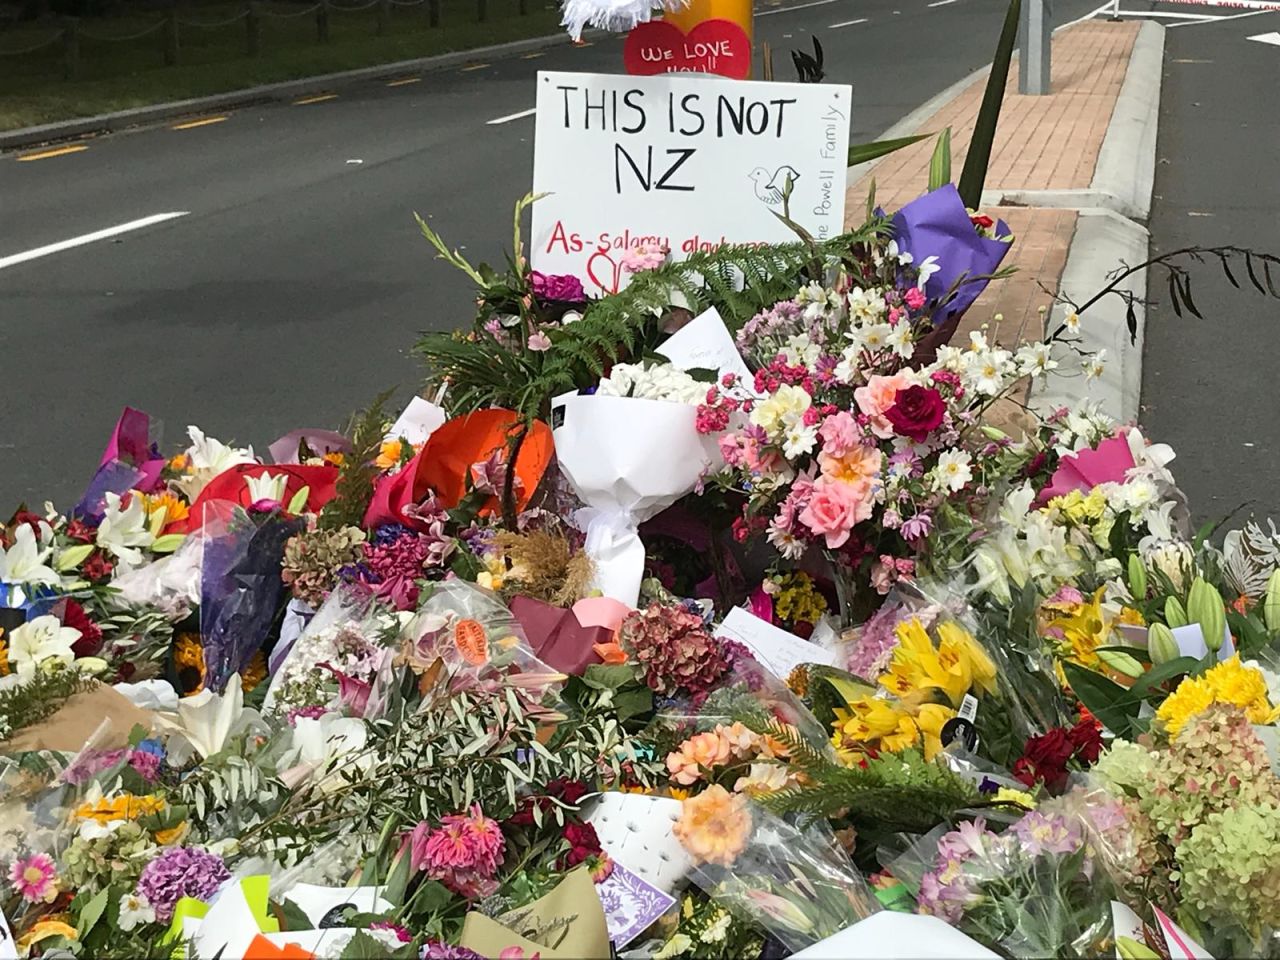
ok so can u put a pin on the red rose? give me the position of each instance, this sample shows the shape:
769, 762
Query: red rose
982, 221
916, 411
1087, 738
1052, 749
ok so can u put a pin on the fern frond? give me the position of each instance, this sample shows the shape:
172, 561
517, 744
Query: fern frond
354, 487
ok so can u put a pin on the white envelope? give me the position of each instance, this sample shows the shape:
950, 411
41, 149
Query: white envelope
317, 901
420, 419
705, 343
889, 935
628, 460
635, 830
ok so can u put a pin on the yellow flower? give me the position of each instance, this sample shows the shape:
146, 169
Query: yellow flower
168, 506
126, 806
1009, 795
955, 638
931, 719
4, 655
255, 672
1193, 696
335, 458
1228, 682
677, 794
917, 669
1083, 627
785, 406
1132, 617
714, 826
42, 930
167, 838
388, 454
180, 463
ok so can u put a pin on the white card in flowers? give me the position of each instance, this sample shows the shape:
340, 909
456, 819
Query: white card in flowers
634, 166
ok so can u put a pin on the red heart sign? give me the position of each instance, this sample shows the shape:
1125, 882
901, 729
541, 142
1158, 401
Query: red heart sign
713, 46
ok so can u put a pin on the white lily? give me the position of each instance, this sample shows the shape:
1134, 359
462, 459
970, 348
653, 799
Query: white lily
207, 721
39, 641
123, 531
24, 562
208, 458
267, 487
322, 745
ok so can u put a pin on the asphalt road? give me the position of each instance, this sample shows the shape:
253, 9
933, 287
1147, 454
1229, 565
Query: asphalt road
294, 289
1209, 386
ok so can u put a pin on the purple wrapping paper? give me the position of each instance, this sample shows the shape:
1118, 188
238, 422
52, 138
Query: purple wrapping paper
128, 463
937, 225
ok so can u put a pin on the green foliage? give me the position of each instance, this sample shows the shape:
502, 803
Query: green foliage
940, 162
482, 371
901, 792
974, 175
866, 152
357, 473
39, 698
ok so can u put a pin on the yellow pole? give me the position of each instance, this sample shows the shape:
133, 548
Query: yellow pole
737, 11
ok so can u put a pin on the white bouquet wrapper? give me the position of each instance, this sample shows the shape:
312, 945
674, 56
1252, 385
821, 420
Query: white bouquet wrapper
635, 830
627, 460
898, 936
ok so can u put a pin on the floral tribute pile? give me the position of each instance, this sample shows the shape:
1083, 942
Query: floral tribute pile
605, 650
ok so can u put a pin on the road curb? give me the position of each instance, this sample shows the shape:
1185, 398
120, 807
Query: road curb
138, 116
1103, 241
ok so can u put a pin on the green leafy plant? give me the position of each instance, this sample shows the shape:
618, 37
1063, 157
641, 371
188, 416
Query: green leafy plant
974, 175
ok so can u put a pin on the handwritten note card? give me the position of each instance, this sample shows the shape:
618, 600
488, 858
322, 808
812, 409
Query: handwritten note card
705, 343
777, 650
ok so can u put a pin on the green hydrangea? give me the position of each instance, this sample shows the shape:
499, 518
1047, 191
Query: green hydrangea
1125, 767
114, 858
1230, 873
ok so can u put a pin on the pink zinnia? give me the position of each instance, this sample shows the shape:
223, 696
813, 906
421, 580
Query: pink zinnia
35, 878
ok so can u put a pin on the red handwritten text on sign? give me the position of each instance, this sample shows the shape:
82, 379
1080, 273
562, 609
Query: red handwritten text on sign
713, 46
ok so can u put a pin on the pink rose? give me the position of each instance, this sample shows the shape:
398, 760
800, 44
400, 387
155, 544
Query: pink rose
835, 509
839, 434
876, 397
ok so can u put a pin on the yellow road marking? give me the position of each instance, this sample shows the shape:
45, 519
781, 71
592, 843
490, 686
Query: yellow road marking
191, 124
58, 152
474, 66
531, 56
320, 99
401, 82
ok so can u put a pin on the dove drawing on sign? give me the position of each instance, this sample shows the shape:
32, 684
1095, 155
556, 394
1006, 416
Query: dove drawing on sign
772, 187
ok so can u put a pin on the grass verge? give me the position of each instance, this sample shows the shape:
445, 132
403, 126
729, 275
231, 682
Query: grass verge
117, 74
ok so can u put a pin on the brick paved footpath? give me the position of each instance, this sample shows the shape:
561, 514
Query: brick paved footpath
1042, 143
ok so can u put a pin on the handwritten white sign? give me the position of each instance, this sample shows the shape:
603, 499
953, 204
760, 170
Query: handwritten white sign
682, 162
778, 651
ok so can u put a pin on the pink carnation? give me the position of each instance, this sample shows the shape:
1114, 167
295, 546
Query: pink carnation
914, 298
835, 509
839, 434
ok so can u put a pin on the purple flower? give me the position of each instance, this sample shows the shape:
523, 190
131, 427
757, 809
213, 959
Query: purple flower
439, 950
557, 286
181, 872
1047, 834
917, 527
146, 764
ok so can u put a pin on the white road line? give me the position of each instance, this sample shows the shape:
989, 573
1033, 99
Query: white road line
513, 116
1171, 16
1273, 38
798, 6
941, 3
1237, 16
88, 238
847, 23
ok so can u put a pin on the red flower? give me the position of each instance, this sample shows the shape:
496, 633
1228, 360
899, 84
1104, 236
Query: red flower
1087, 738
32, 520
97, 567
90, 642
916, 412
80, 531
582, 840
982, 221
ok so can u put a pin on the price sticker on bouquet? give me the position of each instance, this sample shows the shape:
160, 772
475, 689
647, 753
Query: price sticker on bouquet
633, 166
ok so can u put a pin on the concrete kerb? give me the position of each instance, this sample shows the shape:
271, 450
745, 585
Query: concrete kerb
139, 116
1126, 165
1104, 242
